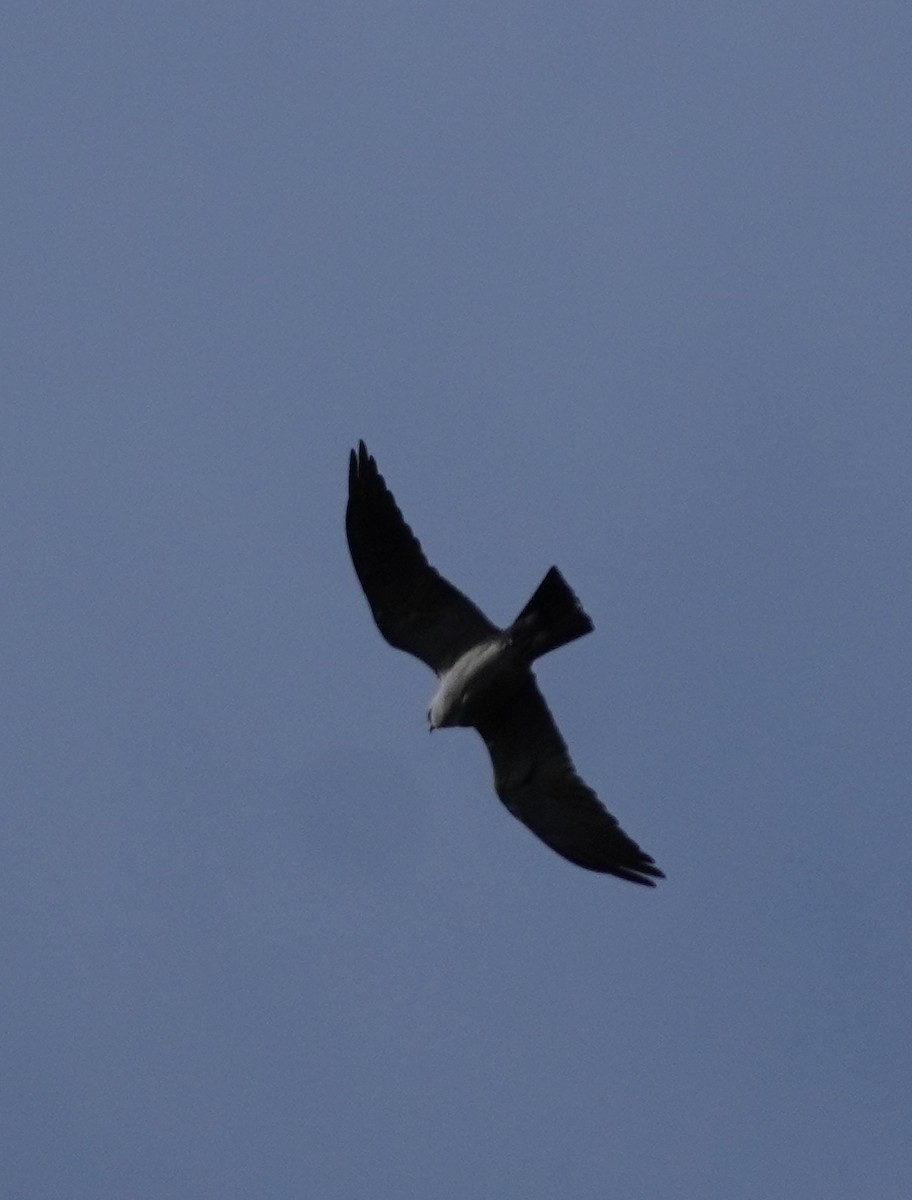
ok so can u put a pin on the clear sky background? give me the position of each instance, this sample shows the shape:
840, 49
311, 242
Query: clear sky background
619, 286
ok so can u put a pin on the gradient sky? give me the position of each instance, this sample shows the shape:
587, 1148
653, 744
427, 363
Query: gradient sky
623, 287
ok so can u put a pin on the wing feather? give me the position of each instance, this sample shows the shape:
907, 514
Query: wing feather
415, 608
536, 780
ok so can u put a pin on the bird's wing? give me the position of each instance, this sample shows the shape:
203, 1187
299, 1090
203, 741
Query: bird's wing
536, 780
415, 608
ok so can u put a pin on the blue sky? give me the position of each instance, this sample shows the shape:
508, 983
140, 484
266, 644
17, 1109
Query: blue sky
619, 287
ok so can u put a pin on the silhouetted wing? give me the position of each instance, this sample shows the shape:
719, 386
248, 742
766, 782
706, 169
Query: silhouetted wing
536, 780
415, 608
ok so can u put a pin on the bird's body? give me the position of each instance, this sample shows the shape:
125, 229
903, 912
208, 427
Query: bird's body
485, 676
478, 677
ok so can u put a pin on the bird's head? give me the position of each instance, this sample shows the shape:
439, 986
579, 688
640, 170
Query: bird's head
444, 708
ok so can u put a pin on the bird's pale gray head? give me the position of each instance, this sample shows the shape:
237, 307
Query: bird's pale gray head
465, 686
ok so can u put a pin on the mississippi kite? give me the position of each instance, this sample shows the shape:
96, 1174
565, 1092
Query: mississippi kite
486, 678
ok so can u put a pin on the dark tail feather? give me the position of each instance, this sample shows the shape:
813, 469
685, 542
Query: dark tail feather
552, 618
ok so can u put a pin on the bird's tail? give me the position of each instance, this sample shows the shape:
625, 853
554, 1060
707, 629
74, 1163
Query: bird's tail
553, 617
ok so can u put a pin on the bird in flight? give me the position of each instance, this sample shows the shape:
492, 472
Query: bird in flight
485, 676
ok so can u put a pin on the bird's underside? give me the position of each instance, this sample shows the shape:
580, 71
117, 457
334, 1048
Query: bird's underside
486, 678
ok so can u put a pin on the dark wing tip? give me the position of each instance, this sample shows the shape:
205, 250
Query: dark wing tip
359, 462
616, 854
365, 483
641, 872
